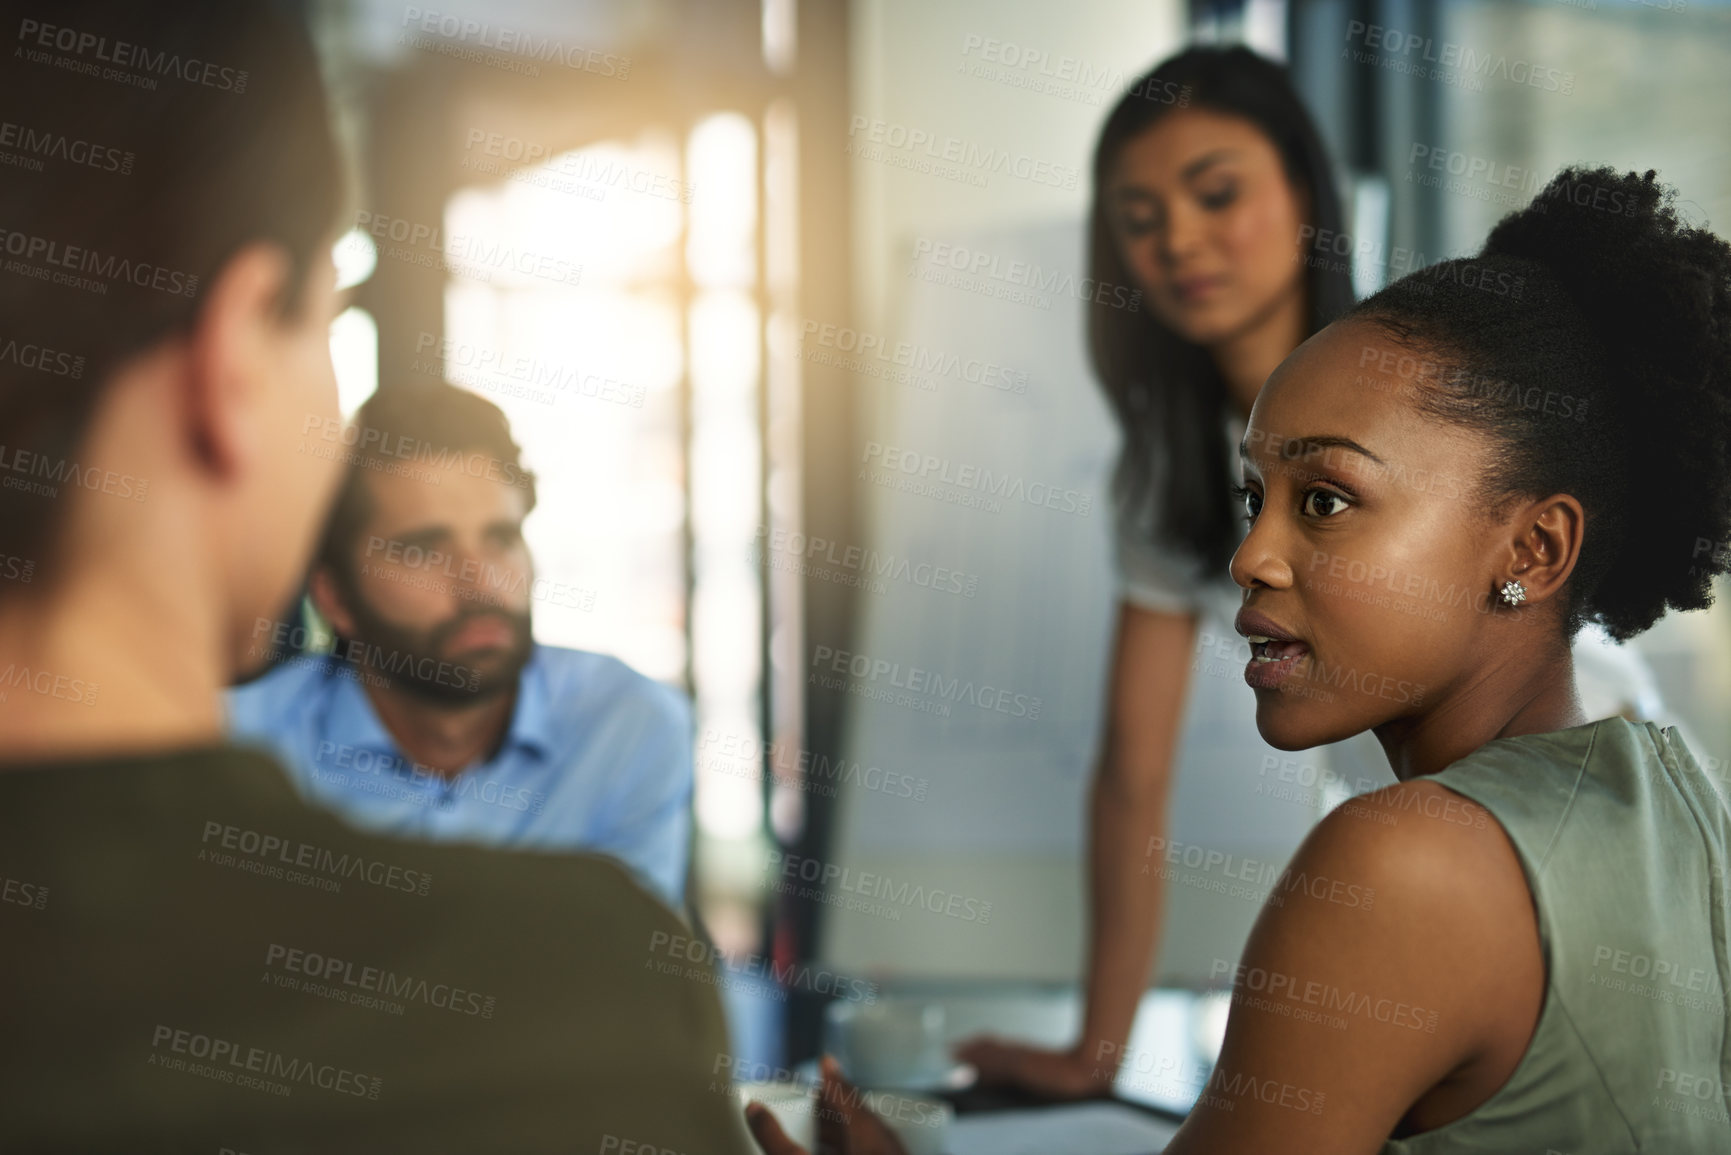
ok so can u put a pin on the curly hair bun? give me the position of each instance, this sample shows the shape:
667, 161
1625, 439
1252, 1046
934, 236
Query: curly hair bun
1627, 307
1657, 294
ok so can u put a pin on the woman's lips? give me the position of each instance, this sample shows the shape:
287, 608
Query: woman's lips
1272, 661
1191, 290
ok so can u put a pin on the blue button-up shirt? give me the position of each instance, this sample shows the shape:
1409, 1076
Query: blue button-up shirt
597, 758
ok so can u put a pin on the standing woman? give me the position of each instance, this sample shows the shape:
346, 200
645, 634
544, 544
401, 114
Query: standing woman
1207, 176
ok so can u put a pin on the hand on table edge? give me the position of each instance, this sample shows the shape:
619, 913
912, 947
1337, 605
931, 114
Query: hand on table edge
1051, 1074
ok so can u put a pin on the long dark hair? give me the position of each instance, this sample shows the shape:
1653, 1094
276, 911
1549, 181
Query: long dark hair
1165, 391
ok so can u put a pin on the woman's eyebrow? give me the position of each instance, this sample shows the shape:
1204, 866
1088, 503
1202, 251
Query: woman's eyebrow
1306, 444
1133, 191
1196, 167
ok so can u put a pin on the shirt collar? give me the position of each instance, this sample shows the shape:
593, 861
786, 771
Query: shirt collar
532, 720
352, 721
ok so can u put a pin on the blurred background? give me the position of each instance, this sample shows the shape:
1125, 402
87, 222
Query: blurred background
697, 252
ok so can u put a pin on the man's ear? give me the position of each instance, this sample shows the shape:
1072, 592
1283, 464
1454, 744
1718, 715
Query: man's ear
234, 337
329, 602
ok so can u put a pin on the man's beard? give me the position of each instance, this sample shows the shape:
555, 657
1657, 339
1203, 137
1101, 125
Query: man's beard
413, 660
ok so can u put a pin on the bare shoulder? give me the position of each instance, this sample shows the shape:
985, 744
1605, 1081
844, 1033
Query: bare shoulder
1447, 915
1395, 963
1438, 864
1421, 847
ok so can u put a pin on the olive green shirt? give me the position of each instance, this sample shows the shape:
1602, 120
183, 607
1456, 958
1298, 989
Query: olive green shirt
193, 959
1623, 840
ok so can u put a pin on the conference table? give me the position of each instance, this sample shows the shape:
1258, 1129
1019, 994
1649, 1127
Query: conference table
1172, 1048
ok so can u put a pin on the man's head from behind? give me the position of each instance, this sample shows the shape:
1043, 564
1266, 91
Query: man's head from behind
165, 302
423, 563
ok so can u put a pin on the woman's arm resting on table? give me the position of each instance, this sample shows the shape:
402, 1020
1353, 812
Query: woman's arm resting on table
1127, 806
1397, 960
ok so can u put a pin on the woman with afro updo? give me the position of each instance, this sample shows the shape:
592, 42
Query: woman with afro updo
1524, 945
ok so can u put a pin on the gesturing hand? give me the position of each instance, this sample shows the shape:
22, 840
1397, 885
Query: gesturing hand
846, 1126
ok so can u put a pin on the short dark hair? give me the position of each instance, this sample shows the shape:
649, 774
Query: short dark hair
417, 427
1596, 292
1165, 392
212, 133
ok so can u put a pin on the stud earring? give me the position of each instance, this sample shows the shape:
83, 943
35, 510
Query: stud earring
1514, 593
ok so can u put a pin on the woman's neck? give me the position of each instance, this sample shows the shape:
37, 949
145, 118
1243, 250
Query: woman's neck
1541, 692
1245, 359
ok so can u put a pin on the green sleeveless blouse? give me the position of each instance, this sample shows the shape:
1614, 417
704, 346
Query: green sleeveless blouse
1624, 841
